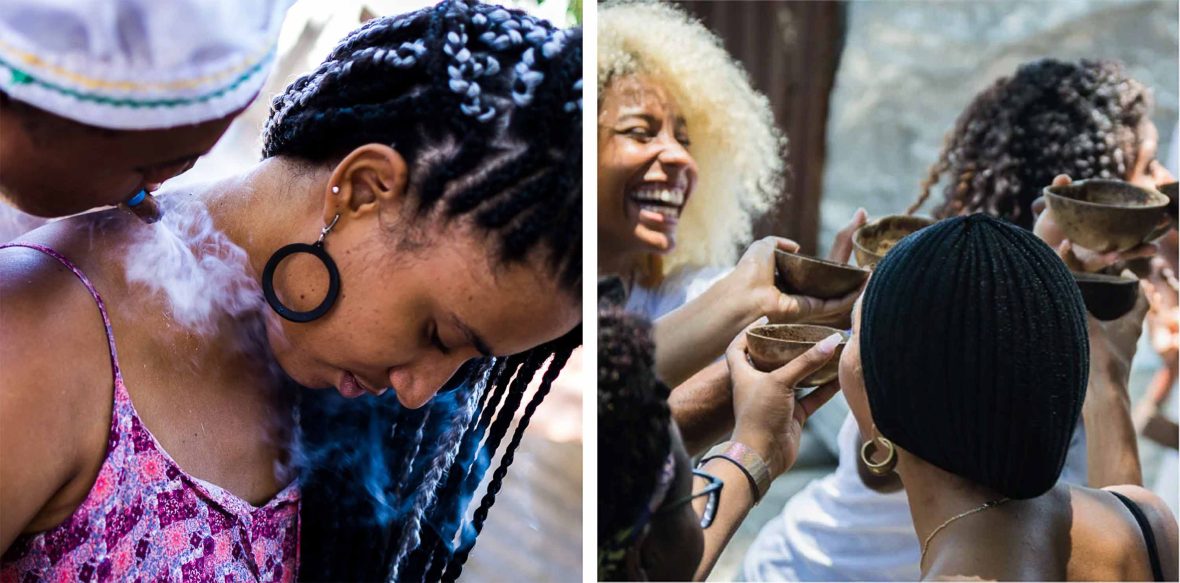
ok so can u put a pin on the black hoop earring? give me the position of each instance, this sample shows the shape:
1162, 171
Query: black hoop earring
316, 249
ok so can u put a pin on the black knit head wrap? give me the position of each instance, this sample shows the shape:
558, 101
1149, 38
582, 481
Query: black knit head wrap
975, 355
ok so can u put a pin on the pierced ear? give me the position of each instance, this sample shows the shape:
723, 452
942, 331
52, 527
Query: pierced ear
368, 180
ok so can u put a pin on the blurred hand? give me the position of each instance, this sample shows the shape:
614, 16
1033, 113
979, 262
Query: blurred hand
768, 416
1163, 316
754, 278
842, 246
1075, 257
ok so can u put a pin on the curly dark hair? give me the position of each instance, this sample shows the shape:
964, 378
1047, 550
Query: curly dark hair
484, 103
633, 427
1050, 118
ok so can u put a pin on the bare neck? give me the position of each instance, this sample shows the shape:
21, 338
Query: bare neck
270, 206
935, 496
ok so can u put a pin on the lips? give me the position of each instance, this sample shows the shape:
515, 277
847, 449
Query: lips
350, 387
663, 199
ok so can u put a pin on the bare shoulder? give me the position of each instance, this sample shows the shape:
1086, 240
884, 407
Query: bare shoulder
1106, 541
1162, 521
55, 390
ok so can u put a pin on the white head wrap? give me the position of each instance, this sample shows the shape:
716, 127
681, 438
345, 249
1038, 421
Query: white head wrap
137, 64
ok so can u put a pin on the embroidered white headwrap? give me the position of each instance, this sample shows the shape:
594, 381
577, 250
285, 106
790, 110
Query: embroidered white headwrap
138, 64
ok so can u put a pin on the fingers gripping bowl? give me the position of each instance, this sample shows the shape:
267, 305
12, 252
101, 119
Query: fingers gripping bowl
817, 278
1108, 215
773, 346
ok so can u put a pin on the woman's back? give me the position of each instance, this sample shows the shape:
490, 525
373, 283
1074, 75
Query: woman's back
1070, 533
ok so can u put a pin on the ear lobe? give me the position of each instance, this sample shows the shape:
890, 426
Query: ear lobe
370, 179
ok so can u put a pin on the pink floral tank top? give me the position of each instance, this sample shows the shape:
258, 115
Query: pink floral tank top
145, 519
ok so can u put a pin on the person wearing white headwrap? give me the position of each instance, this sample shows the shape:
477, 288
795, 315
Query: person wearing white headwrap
102, 100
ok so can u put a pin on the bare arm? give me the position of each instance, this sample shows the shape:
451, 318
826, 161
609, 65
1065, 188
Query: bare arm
770, 422
703, 408
695, 334
45, 406
1112, 453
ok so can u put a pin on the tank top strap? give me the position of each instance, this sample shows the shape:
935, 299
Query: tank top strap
1153, 556
102, 309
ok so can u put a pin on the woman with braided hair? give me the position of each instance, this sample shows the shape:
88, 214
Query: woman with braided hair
414, 224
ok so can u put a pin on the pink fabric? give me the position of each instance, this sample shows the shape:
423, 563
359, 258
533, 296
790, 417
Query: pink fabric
145, 519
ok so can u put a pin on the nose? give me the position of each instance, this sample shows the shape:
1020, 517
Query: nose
416, 385
673, 163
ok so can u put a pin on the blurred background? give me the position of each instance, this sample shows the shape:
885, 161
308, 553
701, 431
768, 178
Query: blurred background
865, 92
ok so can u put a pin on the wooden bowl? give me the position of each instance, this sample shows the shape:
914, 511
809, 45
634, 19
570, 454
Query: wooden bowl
1107, 297
872, 241
772, 346
1108, 215
818, 278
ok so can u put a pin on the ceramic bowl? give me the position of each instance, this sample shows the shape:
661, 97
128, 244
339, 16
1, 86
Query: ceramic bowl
872, 241
772, 346
1107, 296
818, 278
1108, 215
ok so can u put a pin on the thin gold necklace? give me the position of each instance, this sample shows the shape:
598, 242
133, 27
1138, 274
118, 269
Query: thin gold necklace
985, 506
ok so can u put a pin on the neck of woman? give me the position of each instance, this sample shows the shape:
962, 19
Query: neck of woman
935, 496
267, 207
617, 262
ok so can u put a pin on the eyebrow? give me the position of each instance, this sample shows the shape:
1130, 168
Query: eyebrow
472, 336
647, 117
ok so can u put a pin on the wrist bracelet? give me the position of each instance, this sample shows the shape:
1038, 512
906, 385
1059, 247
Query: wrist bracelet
748, 461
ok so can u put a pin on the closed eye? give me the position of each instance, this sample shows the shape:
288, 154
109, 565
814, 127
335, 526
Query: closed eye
436, 340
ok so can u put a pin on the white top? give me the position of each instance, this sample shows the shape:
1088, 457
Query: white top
677, 288
137, 64
837, 529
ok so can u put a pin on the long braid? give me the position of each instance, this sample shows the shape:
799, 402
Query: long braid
441, 458
484, 104
450, 508
558, 354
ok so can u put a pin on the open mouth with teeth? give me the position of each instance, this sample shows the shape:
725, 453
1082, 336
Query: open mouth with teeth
669, 202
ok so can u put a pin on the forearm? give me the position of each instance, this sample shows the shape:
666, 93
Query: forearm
1112, 454
690, 337
735, 502
703, 408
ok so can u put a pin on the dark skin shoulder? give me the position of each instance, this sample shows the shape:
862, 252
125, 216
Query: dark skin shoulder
1070, 533
218, 413
1163, 527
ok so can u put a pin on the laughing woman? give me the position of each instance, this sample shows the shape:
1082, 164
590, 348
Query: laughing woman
688, 156
416, 213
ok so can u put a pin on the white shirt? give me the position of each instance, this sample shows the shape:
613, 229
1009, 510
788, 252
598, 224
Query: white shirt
677, 288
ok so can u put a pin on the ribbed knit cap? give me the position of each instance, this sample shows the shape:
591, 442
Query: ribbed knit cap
975, 355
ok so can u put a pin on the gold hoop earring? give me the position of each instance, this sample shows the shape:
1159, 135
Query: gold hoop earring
879, 468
